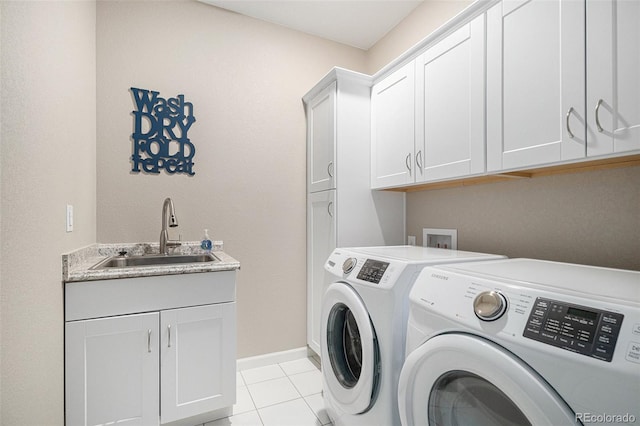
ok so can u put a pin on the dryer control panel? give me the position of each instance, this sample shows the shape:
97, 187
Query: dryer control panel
372, 271
587, 331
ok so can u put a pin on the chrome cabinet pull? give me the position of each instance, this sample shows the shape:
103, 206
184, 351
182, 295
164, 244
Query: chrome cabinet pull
567, 123
599, 127
329, 208
419, 160
149, 341
407, 163
330, 169
169, 330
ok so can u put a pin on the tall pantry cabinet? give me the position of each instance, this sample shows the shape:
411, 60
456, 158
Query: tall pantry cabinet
342, 210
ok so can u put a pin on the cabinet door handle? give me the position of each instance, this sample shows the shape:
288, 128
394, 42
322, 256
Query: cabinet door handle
600, 129
330, 168
419, 160
169, 330
407, 163
149, 341
329, 208
567, 122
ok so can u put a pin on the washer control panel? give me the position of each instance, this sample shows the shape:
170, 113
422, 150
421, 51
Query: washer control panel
372, 271
587, 331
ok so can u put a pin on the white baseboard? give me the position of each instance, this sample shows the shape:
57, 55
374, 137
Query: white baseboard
273, 358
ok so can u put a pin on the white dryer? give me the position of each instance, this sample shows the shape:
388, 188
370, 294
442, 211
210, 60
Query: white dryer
522, 342
364, 314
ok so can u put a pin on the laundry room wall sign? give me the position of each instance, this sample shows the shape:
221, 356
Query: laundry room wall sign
160, 140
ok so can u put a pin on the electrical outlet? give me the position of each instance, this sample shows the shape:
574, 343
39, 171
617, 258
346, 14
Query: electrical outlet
411, 240
440, 238
69, 218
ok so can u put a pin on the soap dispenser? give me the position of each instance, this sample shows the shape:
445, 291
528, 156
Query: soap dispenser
206, 241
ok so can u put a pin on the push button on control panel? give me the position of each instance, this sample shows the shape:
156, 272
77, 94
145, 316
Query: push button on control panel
633, 352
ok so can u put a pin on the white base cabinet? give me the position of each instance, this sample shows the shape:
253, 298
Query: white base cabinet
166, 366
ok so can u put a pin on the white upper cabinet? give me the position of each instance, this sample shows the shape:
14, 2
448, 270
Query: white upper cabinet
613, 76
321, 135
450, 105
392, 129
535, 83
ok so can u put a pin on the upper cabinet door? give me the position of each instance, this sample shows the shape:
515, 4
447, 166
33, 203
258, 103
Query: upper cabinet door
321, 137
392, 129
450, 105
613, 76
535, 83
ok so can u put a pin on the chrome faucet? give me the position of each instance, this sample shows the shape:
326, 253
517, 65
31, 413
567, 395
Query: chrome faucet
171, 221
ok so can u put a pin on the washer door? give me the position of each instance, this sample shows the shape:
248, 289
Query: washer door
459, 379
349, 349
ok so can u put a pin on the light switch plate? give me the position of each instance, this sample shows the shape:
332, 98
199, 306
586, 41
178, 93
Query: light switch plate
69, 218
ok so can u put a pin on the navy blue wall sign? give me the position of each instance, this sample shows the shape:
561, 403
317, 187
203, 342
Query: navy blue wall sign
160, 133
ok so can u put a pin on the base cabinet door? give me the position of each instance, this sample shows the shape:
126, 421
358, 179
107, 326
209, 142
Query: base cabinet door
198, 346
613, 70
111, 369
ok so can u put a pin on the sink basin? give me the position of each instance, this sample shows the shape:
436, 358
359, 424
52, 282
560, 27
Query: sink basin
154, 260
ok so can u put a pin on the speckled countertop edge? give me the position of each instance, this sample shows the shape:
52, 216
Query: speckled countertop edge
76, 265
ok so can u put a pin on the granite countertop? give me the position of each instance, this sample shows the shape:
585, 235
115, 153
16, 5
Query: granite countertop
76, 265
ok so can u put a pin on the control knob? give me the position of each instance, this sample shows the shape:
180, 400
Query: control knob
349, 264
490, 305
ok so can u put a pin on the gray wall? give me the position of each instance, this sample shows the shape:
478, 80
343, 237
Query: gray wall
47, 160
590, 218
245, 79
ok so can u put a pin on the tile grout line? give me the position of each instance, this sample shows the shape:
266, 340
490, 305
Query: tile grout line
303, 398
300, 396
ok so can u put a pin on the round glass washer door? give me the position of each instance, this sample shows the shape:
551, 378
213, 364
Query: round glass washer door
349, 350
460, 379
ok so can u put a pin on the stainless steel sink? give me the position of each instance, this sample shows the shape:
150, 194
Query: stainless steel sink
154, 260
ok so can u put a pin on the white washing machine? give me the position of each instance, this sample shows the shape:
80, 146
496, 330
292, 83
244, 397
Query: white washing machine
364, 314
522, 342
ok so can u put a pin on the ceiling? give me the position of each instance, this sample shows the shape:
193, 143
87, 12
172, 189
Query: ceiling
357, 23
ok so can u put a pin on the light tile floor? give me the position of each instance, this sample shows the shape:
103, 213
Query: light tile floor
282, 394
